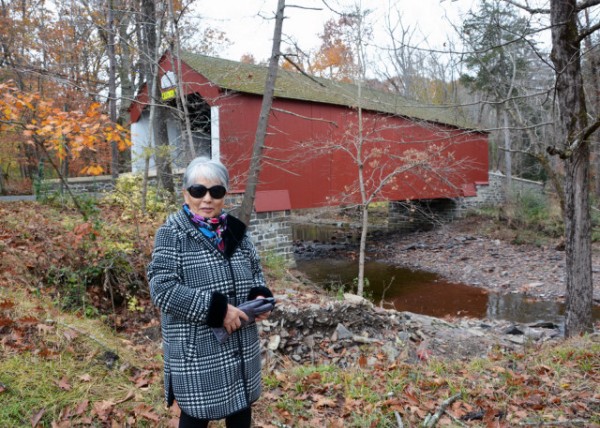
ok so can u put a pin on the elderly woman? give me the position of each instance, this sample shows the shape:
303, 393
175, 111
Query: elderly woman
203, 267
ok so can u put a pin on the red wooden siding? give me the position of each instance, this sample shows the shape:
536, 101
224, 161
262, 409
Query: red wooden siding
297, 159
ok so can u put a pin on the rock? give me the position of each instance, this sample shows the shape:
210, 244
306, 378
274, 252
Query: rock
353, 298
309, 341
274, 342
532, 333
533, 285
513, 330
475, 332
404, 336
517, 339
372, 361
391, 351
334, 332
544, 324
341, 333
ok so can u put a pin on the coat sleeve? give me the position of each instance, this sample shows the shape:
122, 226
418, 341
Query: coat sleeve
171, 295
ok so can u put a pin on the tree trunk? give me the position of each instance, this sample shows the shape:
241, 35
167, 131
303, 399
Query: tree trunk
578, 244
507, 153
566, 51
145, 181
594, 69
125, 77
157, 122
360, 142
182, 105
125, 66
164, 168
2, 190
263, 120
112, 87
360, 289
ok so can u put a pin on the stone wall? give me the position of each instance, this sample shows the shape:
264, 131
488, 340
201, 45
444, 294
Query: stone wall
80, 185
494, 192
272, 233
425, 214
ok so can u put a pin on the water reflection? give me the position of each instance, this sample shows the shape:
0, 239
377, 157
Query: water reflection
426, 293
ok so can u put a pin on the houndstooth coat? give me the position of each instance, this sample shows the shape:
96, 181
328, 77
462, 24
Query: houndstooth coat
192, 283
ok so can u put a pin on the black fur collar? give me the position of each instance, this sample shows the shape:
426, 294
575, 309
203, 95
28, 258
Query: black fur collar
233, 235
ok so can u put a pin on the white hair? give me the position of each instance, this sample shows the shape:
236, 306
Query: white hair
210, 169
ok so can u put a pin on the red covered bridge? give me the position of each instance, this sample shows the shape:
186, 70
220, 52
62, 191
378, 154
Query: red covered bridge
311, 152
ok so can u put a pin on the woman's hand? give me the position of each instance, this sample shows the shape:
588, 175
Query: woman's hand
233, 319
264, 315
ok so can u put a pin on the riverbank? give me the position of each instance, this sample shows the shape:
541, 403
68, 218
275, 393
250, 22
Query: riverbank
474, 251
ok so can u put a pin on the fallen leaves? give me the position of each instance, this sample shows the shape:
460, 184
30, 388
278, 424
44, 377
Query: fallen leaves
64, 384
37, 417
551, 385
510, 390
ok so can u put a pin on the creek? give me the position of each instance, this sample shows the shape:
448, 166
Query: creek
419, 291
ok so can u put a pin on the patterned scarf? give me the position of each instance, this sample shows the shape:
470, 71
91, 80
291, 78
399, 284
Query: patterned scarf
212, 227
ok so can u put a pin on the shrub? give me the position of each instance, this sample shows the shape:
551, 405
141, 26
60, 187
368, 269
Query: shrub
275, 264
128, 195
534, 212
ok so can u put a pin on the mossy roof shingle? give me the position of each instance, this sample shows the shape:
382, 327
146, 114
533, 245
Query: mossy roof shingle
250, 78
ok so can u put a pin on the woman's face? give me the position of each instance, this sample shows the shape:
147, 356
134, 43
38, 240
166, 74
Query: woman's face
206, 206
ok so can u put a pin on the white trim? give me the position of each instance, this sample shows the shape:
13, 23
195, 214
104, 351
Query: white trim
215, 138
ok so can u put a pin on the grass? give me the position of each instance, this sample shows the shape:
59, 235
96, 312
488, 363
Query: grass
519, 387
56, 365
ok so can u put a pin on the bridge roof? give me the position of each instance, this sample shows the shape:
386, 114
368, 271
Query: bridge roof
250, 78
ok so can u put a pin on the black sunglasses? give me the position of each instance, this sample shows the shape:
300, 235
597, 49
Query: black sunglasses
199, 190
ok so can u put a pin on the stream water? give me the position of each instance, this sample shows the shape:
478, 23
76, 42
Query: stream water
424, 292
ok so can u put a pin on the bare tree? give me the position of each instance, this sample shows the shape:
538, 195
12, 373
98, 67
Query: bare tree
112, 84
182, 105
575, 130
152, 25
575, 151
263, 119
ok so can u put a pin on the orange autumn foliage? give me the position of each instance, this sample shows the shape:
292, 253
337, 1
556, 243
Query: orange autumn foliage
80, 136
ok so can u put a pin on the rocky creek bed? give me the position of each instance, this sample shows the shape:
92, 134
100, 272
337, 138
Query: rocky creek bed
313, 326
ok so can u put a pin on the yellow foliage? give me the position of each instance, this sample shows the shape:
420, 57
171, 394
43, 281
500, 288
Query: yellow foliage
92, 170
64, 133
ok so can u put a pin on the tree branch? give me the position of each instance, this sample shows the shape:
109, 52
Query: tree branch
297, 67
587, 133
589, 31
527, 8
291, 113
587, 3
431, 421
